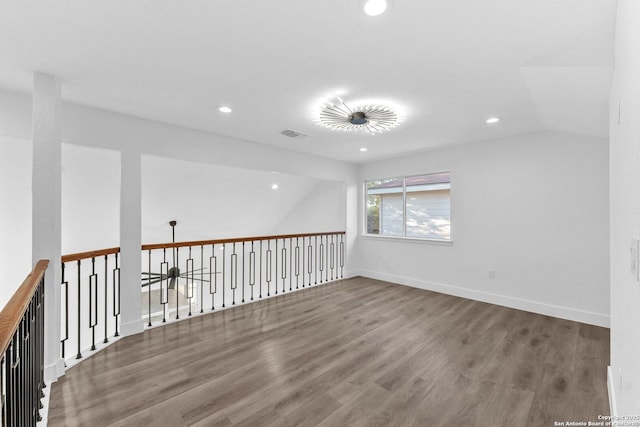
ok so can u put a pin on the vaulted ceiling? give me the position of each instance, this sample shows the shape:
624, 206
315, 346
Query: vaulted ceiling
446, 65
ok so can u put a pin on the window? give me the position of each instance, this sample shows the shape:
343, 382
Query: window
410, 206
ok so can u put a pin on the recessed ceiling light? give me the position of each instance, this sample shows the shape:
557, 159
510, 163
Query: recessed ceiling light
375, 7
492, 120
274, 187
363, 149
224, 109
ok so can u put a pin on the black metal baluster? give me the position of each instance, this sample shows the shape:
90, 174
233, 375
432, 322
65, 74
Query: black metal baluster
309, 261
42, 310
276, 267
268, 267
333, 253
298, 261
106, 298
201, 299
164, 284
321, 258
116, 295
65, 298
14, 378
260, 273
36, 355
33, 377
41, 344
327, 266
22, 370
189, 280
26, 367
213, 270
8, 392
252, 269
40, 348
93, 303
242, 271
234, 273
260, 285
30, 384
342, 256
39, 352
176, 286
3, 392
223, 272
149, 290
284, 263
33, 350
315, 238
303, 254
79, 355
8, 397
17, 377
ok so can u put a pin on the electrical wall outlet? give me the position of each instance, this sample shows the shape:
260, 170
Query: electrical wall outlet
492, 273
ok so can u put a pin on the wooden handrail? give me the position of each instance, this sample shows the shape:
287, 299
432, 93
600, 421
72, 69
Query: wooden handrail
89, 254
101, 252
233, 240
12, 313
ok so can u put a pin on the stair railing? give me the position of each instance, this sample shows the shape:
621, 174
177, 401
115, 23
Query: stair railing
22, 349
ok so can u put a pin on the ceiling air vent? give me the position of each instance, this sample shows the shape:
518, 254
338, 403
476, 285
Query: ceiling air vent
292, 133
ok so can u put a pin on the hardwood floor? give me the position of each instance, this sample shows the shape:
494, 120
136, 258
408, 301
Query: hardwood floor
357, 352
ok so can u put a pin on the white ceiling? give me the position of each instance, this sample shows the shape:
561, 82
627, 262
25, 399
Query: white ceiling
448, 65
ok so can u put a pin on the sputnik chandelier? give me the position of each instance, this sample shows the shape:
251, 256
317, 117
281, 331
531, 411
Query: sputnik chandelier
373, 118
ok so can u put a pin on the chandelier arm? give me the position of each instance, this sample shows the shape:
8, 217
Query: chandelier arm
336, 108
347, 107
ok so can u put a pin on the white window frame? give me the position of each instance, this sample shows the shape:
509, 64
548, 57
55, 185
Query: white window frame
404, 237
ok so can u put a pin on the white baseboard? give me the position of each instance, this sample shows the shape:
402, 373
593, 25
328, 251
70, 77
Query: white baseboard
54, 371
613, 406
598, 319
132, 328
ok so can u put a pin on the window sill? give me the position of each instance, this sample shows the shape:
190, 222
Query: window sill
436, 242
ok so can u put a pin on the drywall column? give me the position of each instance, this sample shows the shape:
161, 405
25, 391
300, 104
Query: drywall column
624, 202
46, 209
130, 241
351, 227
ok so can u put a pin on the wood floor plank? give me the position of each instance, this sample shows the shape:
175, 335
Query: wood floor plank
355, 352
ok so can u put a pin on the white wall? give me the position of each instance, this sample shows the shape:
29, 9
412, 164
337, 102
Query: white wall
323, 209
625, 211
15, 191
533, 208
212, 201
15, 214
90, 198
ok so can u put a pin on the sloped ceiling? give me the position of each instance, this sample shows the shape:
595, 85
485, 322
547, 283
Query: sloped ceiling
212, 202
570, 87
